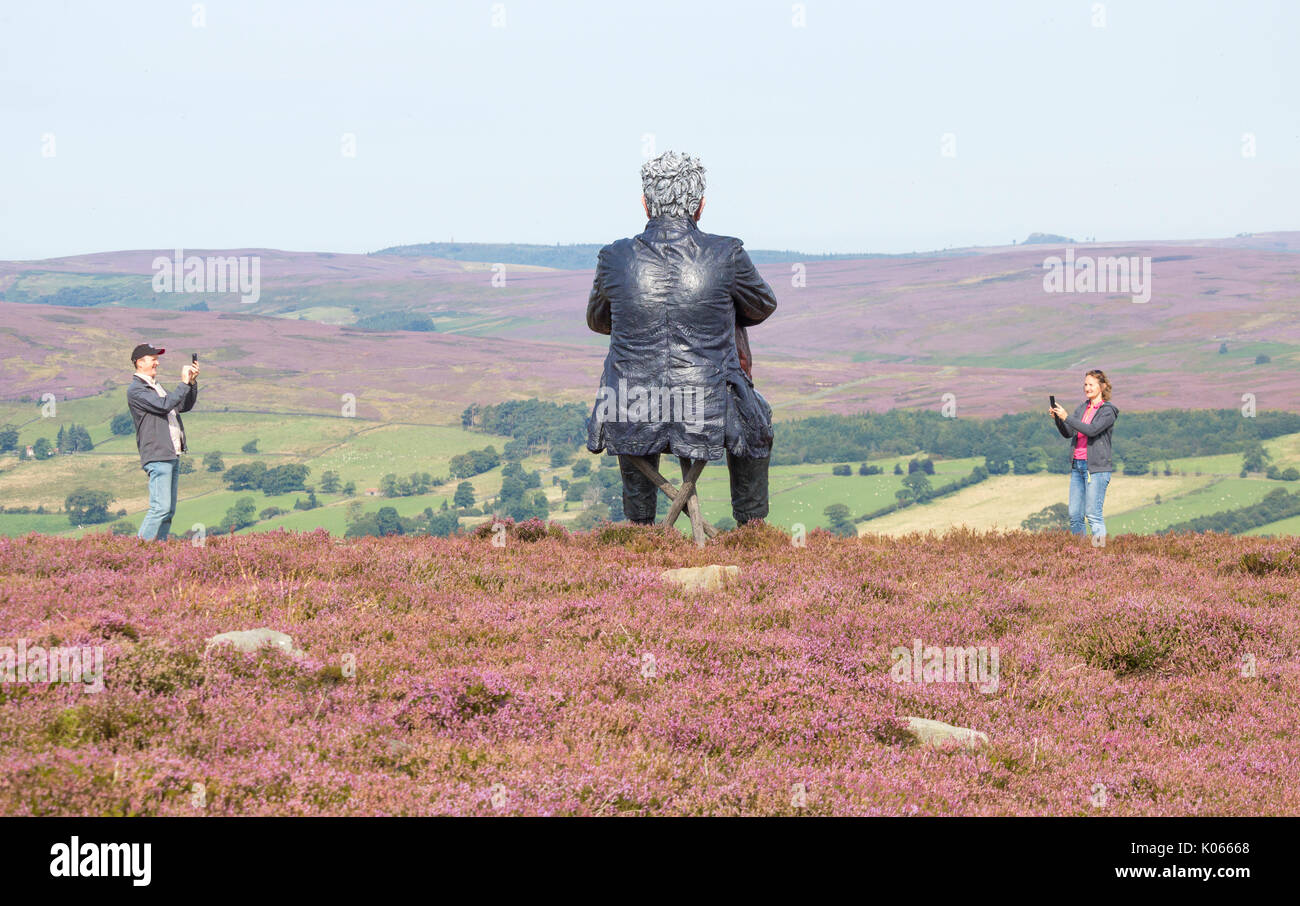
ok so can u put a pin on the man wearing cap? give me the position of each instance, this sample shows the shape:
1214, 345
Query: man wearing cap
159, 434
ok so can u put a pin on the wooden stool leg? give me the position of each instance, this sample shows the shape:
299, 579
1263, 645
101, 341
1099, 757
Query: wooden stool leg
687, 491
696, 517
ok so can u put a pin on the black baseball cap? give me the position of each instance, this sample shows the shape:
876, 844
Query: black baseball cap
143, 350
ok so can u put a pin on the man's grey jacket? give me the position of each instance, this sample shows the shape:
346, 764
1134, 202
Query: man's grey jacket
1097, 433
153, 435
671, 299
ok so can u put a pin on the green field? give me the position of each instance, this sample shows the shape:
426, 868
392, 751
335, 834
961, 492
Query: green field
364, 451
1221, 494
14, 524
1281, 527
360, 451
1285, 451
801, 493
326, 314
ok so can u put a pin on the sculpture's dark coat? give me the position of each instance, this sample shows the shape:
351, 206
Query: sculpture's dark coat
672, 300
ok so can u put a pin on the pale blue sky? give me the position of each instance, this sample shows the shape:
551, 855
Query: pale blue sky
821, 138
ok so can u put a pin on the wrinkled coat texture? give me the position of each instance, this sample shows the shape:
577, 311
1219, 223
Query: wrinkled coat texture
672, 300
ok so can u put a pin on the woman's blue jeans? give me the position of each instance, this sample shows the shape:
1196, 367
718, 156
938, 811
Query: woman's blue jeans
163, 477
1087, 494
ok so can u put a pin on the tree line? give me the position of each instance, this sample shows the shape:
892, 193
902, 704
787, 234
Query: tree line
1020, 443
534, 423
1277, 504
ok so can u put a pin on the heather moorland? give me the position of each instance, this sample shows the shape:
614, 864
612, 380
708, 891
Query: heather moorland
556, 673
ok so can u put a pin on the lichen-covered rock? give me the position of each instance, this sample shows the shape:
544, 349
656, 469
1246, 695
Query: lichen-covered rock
704, 578
253, 639
937, 734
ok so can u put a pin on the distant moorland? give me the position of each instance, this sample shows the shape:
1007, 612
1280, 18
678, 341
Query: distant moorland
364, 365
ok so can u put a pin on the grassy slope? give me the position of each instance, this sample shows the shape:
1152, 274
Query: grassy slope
360, 451
1200, 486
363, 451
1281, 527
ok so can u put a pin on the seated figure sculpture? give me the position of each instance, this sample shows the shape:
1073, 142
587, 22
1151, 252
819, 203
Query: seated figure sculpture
678, 378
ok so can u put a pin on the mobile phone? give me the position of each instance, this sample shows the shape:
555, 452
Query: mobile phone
194, 359
1052, 398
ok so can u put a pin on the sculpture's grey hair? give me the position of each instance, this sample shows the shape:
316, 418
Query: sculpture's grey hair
673, 184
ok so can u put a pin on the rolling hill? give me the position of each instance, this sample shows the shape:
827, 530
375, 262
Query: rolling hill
850, 335
873, 333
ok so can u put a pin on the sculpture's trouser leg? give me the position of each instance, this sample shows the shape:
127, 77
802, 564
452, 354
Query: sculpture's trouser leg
640, 496
748, 487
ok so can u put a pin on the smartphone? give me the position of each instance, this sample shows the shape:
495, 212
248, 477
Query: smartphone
194, 359
1052, 399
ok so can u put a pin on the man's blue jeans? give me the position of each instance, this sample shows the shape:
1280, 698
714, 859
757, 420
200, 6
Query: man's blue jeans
1087, 494
163, 476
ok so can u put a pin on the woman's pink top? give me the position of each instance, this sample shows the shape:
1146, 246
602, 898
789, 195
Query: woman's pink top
1081, 445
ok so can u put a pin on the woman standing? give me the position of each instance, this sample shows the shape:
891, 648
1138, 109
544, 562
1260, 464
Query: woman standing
1089, 429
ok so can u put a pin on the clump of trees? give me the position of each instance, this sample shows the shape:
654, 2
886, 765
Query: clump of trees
396, 320
1049, 518
251, 476
916, 488
601, 495
464, 497
839, 521
475, 462
241, 515
86, 506
520, 497
73, 438
387, 521
416, 483
535, 423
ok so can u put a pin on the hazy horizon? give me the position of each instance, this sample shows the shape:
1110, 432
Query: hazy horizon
828, 137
